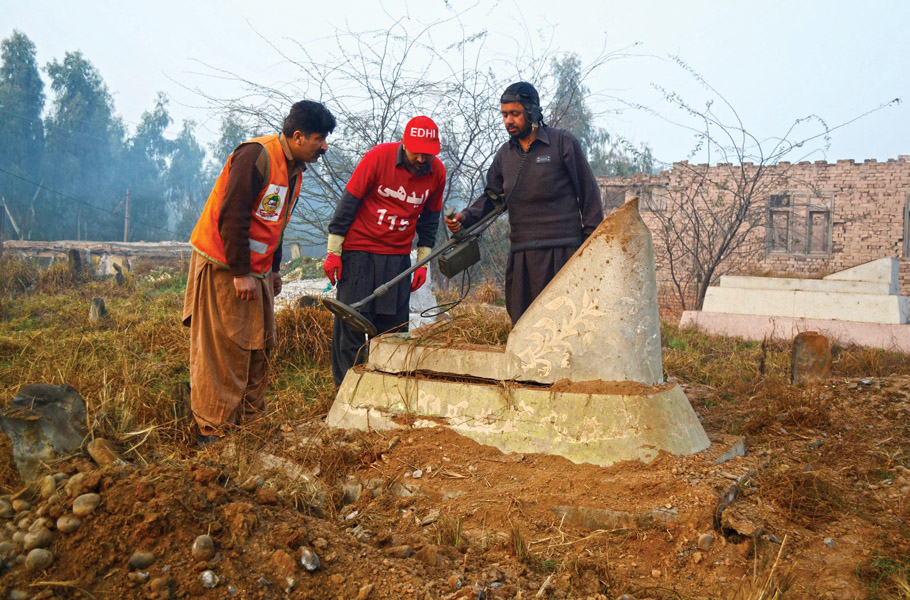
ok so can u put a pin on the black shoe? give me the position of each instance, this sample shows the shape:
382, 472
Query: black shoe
204, 440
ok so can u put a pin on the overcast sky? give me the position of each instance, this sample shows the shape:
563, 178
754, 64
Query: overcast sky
774, 61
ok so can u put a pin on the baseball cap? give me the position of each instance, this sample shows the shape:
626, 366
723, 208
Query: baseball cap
421, 136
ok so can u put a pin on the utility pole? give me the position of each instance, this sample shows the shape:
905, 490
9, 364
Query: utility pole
126, 218
2, 221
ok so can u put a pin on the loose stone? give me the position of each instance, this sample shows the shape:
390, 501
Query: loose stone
308, 559
20, 505
138, 577
38, 539
17, 594
6, 510
39, 523
203, 548
48, 486
705, 541
7, 550
399, 551
208, 579
85, 504
74, 484
141, 561
68, 523
39, 559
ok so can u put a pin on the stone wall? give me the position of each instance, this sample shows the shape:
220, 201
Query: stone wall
812, 218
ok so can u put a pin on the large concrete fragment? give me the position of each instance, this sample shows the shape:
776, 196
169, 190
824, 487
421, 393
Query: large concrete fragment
581, 375
43, 422
597, 319
594, 422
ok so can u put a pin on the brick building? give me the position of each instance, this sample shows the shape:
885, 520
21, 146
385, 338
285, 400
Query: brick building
806, 219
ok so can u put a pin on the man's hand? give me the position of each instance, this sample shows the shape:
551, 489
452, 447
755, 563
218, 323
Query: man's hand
454, 222
332, 267
246, 288
276, 284
420, 278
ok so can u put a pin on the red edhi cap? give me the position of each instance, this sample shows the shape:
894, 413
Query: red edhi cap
421, 136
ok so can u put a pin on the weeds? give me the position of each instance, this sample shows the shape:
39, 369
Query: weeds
448, 532
887, 578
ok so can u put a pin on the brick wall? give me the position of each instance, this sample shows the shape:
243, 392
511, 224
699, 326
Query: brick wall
837, 215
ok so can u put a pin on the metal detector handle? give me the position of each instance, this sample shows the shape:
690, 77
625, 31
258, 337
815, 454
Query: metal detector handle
473, 231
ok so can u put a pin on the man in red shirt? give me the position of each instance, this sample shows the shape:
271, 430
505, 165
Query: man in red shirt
395, 192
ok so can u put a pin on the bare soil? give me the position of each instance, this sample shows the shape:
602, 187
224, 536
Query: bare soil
816, 508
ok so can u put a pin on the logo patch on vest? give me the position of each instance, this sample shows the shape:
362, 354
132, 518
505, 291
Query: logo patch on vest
269, 208
543, 159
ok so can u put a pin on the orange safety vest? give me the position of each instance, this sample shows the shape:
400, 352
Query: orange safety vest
271, 212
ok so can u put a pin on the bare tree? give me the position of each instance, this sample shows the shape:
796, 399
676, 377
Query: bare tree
375, 81
711, 220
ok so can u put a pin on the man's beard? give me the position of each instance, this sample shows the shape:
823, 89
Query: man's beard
418, 168
523, 132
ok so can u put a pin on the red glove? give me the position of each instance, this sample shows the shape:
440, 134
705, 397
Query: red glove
332, 267
420, 278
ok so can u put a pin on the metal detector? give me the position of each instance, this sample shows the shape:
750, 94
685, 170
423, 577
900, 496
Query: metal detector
460, 252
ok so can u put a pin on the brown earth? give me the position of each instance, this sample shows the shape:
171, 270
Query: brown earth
428, 514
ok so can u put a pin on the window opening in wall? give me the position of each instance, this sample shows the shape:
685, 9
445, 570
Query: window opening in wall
651, 198
818, 231
780, 231
799, 224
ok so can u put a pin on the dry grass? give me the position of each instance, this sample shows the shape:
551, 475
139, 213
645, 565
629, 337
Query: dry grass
304, 334
470, 324
126, 366
17, 275
808, 498
487, 292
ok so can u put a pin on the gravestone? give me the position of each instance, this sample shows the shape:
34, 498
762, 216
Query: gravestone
810, 358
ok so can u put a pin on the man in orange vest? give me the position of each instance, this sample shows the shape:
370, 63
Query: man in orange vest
233, 274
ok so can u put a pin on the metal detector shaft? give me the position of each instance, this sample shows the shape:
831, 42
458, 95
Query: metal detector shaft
350, 314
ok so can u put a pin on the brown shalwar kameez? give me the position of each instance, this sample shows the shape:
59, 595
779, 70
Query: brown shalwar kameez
230, 341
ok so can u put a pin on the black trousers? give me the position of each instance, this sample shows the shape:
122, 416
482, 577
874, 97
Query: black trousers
528, 272
361, 274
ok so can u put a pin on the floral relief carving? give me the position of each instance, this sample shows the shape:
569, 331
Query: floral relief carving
549, 336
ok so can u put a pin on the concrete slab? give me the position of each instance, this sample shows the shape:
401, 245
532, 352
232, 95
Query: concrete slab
812, 285
864, 308
398, 353
882, 270
759, 327
595, 422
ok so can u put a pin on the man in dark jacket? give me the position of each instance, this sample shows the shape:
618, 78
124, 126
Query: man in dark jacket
553, 198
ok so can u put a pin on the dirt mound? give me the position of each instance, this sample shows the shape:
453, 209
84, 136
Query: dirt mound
428, 514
